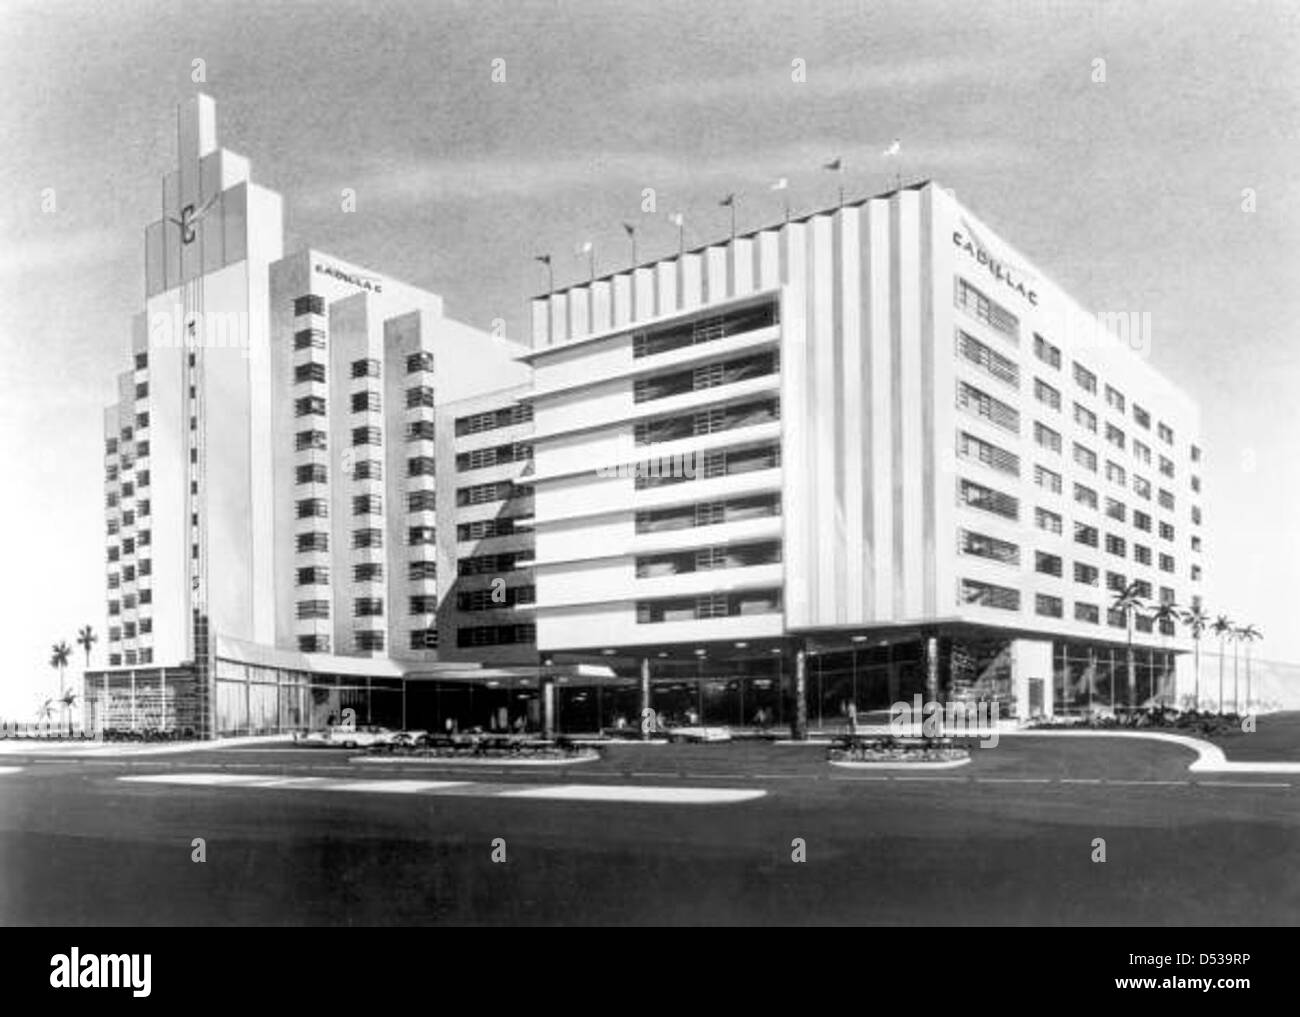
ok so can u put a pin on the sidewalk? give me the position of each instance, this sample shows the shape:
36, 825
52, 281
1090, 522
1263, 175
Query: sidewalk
44, 747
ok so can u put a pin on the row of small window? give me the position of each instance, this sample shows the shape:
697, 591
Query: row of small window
708, 513
501, 490
496, 599
417, 536
1086, 419
496, 635
703, 559
129, 602
1006, 552
999, 503
1004, 598
716, 463
129, 630
367, 607
142, 539
712, 375
145, 566
127, 575
491, 420
142, 451
483, 529
1087, 381
713, 420
367, 505
1051, 481
709, 605
362, 402
367, 572
481, 458
131, 658
665, 338
419, 639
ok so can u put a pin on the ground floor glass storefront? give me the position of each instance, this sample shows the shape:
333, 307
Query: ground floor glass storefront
1091, 677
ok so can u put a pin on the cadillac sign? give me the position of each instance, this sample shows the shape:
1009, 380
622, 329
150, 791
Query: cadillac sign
1000, 271
362, 282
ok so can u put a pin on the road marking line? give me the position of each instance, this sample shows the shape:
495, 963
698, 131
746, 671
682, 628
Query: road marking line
1081, 780
639, 794
963, 779
1012, 780
652, 773
833, 777
1152, 783
11, 769
1230, 783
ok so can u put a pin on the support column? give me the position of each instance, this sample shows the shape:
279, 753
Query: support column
647, 714
548, 708
931, 646
800, 728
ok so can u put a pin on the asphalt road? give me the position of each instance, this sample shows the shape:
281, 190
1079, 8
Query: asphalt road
1008, 838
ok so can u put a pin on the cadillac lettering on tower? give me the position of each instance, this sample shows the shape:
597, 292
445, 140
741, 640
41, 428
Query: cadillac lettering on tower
373, 285
1000, 271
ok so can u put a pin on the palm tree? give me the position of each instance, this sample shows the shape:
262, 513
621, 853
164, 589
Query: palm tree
69, 701
1166, 612
1234, 637
86, 638
45, 711
1196, 619
1129, 601
60, 653
1221, 627
1248, 634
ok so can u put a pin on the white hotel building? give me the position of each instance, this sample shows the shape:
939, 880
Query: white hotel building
842, 460
908, 457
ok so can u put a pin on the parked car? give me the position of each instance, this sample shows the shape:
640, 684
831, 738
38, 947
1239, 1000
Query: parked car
696, 733
408, 738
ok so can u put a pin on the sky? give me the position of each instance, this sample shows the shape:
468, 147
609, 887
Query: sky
1169, 186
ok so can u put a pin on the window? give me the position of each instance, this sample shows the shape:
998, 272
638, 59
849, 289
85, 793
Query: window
482, 564
110, 446
1044, 393
366, 436
1047, 564
1142, 487
984, 405
662, 338
1167, 563
368, 640
368, 572
1114, 399
1116, 582
1142, 417
314, 644
1196, 515
141, 422
309, 339
1085, 495
142, 478
1166, 531
988, 359
1087, 613
368, 368
417, 535
420, 395
419, 430
1085, 418
367, 505
1116, 546
1142, 521
1046, 352
505, 635
1165, 433
970, 447
311, 371
483, 600
1196, 484
309, 406
519, 413
1086, 574
1046, 437
1115, 436
309, 304
1115, 473
983, 546
492, 456
420, 466
315, 575
142, 390
313, 609
1196, 453
365, 402
1165, 499
1004, 598
1085, 379
423, 603
418, 571
1085, 534
368, 469
1142, 554
309, 508
307, 440
367, 607
1196, 573
312, 541
1116, 509
1085, 457
1142, 452
312, 473
988, 500
1047, 479
1166, 467
422, 361
1196, 543
975, 303
369, 537
1048, 606
482, 529
424, 639
421, 501
1045, 520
